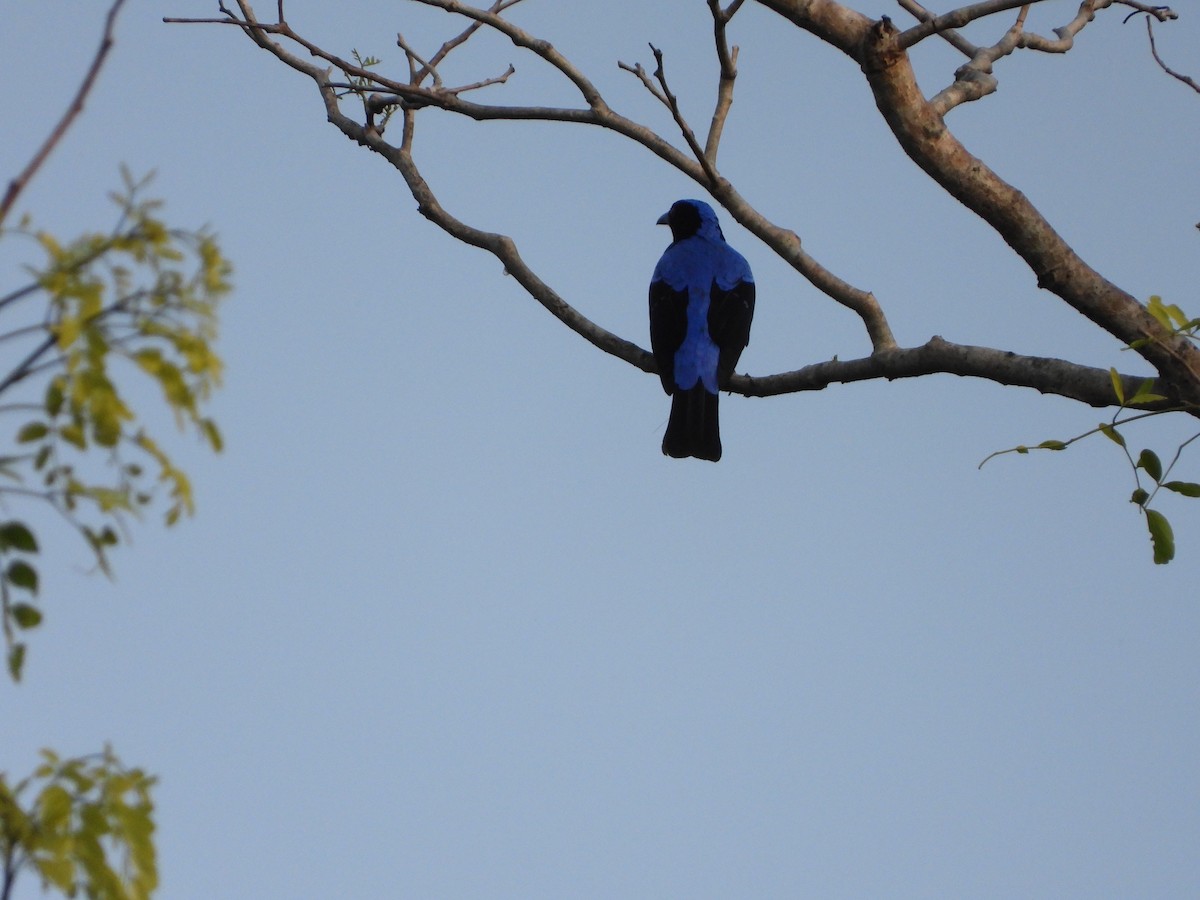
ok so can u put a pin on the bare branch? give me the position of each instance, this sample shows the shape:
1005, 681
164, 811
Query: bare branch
418, 67
957, 19
952, 37
1065, 33
1085, 384
975, 79
17, 185
728, 62
1162, 13
640, 71
1190, 82
685, 129
492, 18
458, 40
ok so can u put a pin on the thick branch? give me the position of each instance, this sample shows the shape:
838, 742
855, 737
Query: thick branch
835, 24
921, 132
1085, 384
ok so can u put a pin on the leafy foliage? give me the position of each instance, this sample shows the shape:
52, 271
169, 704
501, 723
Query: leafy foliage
83, 824
97, 311
1148, 463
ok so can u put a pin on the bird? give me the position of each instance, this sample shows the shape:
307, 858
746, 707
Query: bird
701, 307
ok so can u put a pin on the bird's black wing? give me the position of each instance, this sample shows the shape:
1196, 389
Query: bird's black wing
668, 328
729, 316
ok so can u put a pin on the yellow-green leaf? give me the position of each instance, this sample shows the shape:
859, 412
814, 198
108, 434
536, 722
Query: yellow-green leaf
1112, 434
1118, 389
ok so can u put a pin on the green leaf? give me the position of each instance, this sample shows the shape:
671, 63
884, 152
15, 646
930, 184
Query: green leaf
209, 427
54, 397
1112, 434
1161, 537
16, 661
58, 871
55, 804
34, 431
1139, 496
1155, 308
1148, 460
1119, 389
26, 616
73, 434
1187, 488
1145, 393
21, 574
15, 536
1052, 445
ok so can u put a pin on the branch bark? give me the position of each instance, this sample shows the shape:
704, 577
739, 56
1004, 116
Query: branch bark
1085, 384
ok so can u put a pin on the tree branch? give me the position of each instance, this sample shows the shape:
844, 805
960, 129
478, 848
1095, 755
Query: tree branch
689, 136
784, 242
955, 19
923, 135
975, 79
1085, 384
1190, 82
728, 62
952, 37
17, 185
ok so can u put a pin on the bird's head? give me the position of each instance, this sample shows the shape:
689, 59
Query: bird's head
690, 217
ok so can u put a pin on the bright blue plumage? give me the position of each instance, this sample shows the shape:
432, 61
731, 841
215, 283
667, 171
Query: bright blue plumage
701, 307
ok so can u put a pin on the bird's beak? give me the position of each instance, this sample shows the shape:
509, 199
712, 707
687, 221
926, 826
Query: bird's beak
663, 219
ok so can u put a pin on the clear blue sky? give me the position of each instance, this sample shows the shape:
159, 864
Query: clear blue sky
447, 624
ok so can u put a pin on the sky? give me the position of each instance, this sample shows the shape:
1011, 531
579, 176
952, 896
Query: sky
446, 624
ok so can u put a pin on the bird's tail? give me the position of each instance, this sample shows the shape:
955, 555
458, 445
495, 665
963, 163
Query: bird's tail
693, 429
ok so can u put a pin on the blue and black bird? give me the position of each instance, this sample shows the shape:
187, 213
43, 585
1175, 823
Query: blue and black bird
701, 305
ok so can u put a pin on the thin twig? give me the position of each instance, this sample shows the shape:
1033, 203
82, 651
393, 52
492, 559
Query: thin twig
685, 129
640, 71
950, 35
17, 185
1190, 82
